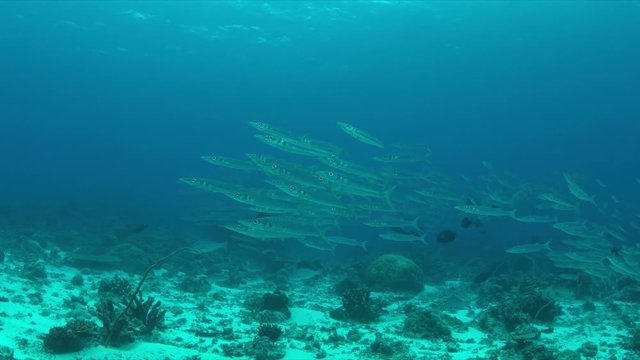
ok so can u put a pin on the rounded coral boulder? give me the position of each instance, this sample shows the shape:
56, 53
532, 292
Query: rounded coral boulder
392, 272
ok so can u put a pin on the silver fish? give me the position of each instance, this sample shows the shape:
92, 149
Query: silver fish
394, 236
536, 219
577, 191
485, 210
228, 162
529, 248
360, 135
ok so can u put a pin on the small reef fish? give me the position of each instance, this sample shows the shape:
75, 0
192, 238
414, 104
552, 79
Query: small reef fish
360, 135
529, 248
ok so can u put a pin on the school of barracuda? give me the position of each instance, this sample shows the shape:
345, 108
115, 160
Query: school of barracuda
308, 201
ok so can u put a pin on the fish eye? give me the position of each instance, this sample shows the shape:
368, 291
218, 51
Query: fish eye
330, 173
271, 137
236, 193
255, 222
274, 166
292, 188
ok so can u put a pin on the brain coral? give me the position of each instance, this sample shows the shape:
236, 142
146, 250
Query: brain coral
392, 272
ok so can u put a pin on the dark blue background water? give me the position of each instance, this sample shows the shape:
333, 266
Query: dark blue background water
111, 102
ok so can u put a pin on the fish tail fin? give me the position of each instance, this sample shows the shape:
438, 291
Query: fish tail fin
414, 223
322, 232
546, 245
333, 250
386, 195
341, 151
423, 238
364, 246
512, 214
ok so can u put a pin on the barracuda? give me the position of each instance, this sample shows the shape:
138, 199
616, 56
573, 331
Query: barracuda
360, 135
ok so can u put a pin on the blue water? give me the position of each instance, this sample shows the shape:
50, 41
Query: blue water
107, 104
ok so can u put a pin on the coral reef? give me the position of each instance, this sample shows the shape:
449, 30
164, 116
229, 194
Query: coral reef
385, 348
34, 271
425, 324
525, 333
276, 301
147, 313
269, 308
271, 331
634, 341
262, 348
72, 337
589, 350
233, 350
357, 305
61, 340
195, 285
115, 288
567, 355
77, 280
141, 318
522, 304
392, 272
6, 353
115, 330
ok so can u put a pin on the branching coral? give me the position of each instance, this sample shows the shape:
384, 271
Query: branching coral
120, 318
148, 312
357, 305
116, 331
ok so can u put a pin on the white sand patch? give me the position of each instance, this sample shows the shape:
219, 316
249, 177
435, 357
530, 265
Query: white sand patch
305, 317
